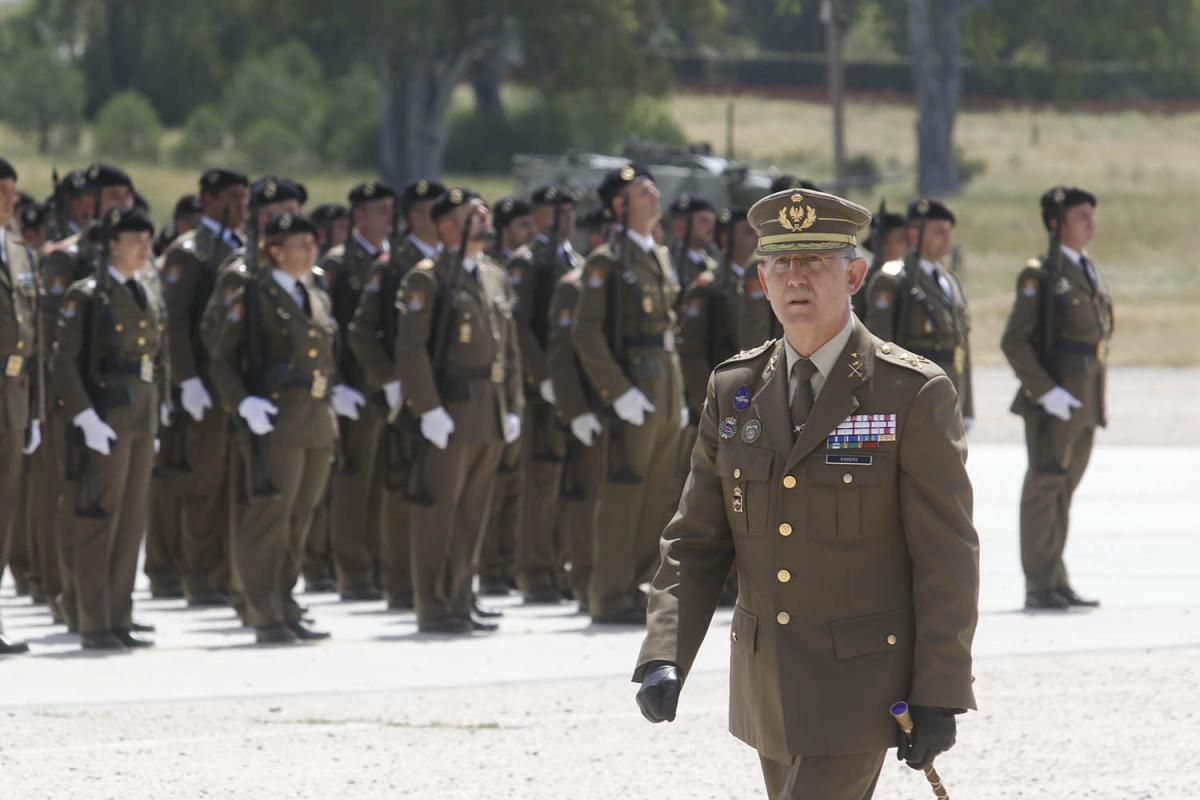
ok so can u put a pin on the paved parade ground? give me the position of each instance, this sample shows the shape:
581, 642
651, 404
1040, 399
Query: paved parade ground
1103, 704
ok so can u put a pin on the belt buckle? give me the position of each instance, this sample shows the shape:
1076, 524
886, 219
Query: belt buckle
319, 385
497, 372
146, 370
12, 368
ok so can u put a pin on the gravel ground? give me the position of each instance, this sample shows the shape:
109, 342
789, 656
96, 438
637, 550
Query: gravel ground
1082, 705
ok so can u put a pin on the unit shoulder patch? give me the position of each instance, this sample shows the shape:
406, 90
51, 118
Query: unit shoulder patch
749, 355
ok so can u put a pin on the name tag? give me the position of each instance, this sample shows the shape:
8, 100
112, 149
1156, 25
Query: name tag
147, 370
12, 367
849, 460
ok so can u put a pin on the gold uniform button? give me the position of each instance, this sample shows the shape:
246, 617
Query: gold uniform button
847, 478
142, 324
891, 638
312, 353
737, 473
785, 529
118, 327
312, 333
789, 482
783, 575
887, 348
733, 636
141, 341
783, 618
20, 343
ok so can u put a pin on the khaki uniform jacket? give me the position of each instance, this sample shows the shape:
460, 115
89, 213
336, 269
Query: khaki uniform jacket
1083, 321
524, 276
372, 333
939, 327
18, 337
482, 377
131, 350
756, 320
572, 393
62, 263
298, 353
190, 271
349, 267
707, 332
649, 289
858, 569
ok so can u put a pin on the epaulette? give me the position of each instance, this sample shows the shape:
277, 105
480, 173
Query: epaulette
318, 272
895, 354
188, 244
749, 355
425, 263
893, 268
1034, 263
338, 251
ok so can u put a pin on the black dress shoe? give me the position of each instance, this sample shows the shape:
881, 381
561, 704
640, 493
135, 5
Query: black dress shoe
22, 585
483, 625
494, 587
208, 599
402, 601
274, 634
445, 625
141, 627
320, 586
630, 616
132, 640
543, 594
10, 648
1076, 600
1048, 600
361, 594
304, 631
100, 640
484, 613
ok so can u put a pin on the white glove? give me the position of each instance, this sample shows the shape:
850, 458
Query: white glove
437, 426
96, 432
393, 394
512, 427
195, 398
347, 401
586, 428
633, 406
1058, 402
968, 424
684, 417
164, 414
35, 437
546, 390
256, 411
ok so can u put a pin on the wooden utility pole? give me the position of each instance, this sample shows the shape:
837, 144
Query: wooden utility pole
831, 15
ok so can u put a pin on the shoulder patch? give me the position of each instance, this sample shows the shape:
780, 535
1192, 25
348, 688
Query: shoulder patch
893, 268
894, 354
596, 274
1034, 263
749, 355
425, 263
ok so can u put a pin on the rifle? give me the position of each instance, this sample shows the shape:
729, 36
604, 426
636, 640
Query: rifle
416, 491
546, 275
1047, 356
682, 258
39, 343
397, 455
619, 469
60, 211
87, 493
255, 362
912, 263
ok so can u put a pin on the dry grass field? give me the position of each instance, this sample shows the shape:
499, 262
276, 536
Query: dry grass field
1145, 168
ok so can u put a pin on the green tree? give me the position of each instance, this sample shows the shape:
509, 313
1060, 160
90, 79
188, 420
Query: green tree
41, 94
128, 127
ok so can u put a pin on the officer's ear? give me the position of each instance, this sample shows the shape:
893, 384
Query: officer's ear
856, 273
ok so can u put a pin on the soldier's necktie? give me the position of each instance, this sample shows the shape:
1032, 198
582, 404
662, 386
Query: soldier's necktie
135, 289
943, 282
305, 301
802, 400
1089, 272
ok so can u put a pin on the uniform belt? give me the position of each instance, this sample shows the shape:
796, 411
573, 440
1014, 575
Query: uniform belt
283, 378
122, 367
656, 341
468, 373
1076, 348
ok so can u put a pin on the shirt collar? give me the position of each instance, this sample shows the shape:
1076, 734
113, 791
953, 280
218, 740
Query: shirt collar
825, 359
1072, 254
470, 265
371, 249
116, 275
285, 281
697, 255
428, 250
737, 268
641, 240
930, 266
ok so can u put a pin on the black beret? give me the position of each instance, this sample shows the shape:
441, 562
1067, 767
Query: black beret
215, 179
450, 201
784, 182
509, 208
33, 215
7, 172
74, 182
1062, 198
925, 210
329, 212
287, 224
690, 204
420, 190
24, 198
730, 216
140, 201
553, 196
368, 191
617, 179
596, 219
272, 189
887, 221
105, 175
127, 220
187, 205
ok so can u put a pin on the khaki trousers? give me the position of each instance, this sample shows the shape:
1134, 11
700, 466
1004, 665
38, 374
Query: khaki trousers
848, 777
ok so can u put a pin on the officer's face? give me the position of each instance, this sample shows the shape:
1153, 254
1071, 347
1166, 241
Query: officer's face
812, 290
644, 202
895, 244
340, 231
115, 197
1079, 226
519, 231
938, 239
704, 225
129, 251
8, 200
230, 207
296, 254
374, 219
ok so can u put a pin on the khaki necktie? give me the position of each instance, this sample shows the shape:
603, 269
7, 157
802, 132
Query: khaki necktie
802, 400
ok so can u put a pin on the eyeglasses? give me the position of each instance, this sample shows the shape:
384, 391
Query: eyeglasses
810, 263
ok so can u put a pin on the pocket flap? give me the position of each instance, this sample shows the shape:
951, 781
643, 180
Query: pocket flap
744, 463
860, 636
743, 631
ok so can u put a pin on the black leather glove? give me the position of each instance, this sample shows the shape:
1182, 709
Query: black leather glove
933, 733
659, 695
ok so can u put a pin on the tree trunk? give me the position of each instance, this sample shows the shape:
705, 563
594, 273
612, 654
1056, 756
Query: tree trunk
933, 27
486, 77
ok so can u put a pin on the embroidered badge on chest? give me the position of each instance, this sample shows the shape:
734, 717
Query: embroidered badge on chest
741, 398
728, 428
751, 431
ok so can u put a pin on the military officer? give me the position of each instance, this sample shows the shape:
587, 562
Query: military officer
1057, 340
333, 225
889, 242
109, 371
830, 471
74, 206
596, 225
513, 220
18, 314
693, 225
357, 483
35, 225
466, 391
372, 339
624, 336
286, 396
920, 305
190, 269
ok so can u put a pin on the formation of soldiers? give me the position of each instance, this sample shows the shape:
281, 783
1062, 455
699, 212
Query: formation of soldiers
419, 399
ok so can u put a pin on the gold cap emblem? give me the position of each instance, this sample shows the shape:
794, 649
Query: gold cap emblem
270, 190
797, 216
627, 173
456, 196
422, 187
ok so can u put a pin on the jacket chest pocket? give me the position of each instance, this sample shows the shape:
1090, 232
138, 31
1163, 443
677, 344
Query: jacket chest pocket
847, 501
746, 483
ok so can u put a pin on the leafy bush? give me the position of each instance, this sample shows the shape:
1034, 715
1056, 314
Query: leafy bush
284, 85
42, 96
968, 168
272, 145
350, 133
128, 127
